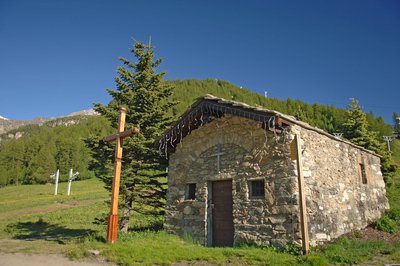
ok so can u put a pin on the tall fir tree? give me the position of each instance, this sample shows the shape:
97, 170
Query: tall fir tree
356, 130
147, 99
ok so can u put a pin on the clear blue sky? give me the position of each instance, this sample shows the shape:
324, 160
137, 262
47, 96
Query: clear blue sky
57, 57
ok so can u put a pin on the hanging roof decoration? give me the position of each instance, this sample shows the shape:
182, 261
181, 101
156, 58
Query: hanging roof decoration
207, 108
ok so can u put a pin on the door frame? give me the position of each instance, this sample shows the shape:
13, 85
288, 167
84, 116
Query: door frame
210, 206
209, 215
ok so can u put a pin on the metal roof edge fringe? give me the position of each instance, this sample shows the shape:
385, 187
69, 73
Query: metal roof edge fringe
210, 97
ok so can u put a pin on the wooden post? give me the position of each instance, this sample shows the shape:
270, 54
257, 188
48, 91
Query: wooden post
119, 137
296, 155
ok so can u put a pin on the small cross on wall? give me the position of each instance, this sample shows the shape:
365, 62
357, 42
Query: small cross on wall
218, 155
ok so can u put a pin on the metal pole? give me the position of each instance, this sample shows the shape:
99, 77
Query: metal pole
69, 182
338, 134
388, 139
56, 183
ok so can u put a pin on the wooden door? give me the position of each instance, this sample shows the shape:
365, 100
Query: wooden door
222, 218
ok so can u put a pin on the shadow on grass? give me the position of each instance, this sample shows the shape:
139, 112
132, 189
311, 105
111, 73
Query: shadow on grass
41, 230
153, 226
138, 223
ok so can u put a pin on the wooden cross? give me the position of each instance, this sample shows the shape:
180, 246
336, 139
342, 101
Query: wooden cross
218, 155
119, 137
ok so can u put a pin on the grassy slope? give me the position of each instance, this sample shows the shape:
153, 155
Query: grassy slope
21, 205
24, 197
393, 190
65, 224
33, 220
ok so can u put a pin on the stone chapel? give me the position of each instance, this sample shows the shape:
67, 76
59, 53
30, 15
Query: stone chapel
233, 178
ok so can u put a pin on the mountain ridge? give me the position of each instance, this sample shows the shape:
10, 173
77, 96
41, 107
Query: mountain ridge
7, 125
326, 117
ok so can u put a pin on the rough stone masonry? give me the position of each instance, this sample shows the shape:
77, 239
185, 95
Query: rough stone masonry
344, 185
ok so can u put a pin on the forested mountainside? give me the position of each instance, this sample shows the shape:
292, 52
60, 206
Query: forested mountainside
326, 117
58, 144
42, 149
10, 124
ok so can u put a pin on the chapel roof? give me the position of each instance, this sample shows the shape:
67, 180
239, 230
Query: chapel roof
208, 107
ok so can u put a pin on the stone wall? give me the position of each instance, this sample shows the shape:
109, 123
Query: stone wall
249, 152
337, 199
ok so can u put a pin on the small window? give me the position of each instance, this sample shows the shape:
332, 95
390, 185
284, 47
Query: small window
363, 173
257, 190
190, 192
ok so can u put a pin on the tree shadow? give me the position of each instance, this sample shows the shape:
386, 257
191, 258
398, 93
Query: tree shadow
41, 230
139, 223
154, 226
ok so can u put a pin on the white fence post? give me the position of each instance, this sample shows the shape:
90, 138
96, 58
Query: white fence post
69, 181
56, 182
71, 177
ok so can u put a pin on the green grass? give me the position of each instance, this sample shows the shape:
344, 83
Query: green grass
65, 224
391, 221
28, 196
21, 207
160, 248
352, 252
58, 225
393, 191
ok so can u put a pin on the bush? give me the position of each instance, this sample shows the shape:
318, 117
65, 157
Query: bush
386, 224
394, 214
292, 248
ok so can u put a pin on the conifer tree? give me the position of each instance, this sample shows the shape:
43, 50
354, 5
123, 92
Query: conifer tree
356, 130
147, 99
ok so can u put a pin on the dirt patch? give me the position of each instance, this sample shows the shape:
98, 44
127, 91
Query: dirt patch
370, 234
31, 247
18, 259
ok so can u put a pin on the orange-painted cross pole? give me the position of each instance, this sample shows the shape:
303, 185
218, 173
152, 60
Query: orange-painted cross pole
119, 137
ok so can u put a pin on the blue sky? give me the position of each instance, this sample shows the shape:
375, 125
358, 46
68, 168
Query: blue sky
57, 57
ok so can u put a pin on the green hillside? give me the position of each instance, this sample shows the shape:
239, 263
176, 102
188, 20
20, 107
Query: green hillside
41, 150
393, 189
59, 145
327, 117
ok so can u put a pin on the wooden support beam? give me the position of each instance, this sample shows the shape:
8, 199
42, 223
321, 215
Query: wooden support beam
296, 155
